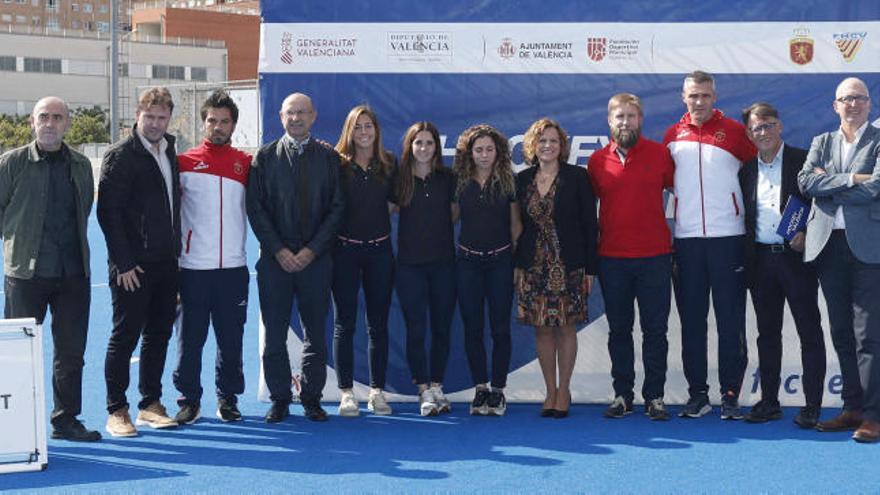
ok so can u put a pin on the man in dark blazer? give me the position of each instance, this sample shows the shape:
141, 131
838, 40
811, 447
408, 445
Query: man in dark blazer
295, 205
842, 174
775, 271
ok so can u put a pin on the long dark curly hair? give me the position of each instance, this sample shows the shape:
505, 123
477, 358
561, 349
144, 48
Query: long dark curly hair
501, 182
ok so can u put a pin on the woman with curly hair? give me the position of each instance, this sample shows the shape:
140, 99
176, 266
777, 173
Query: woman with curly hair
424, 191
555, 256
490, 223
363, 258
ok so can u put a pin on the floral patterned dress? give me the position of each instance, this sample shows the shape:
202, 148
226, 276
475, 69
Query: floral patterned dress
547, 294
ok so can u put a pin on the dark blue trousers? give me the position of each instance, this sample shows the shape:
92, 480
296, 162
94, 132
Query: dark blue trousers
852, 292
218, 298
311, 288
780, 277
647, 281
422, 289
715, 266
482, 280
370, 266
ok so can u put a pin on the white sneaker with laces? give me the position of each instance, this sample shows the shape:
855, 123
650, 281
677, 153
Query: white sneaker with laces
443, 404
428, 403
348, 405
377, 404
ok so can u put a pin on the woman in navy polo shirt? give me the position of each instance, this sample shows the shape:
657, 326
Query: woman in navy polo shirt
490, 223
363, 256
555, 256
424, 191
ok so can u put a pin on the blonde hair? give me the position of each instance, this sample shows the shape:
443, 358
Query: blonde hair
157, 96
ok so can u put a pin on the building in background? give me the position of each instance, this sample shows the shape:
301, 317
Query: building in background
236, 23
56, 16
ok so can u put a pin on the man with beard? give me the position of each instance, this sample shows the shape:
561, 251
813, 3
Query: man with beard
46, 193
842, 174
709, 150
139, 212
213, 275
629, 176
775, 269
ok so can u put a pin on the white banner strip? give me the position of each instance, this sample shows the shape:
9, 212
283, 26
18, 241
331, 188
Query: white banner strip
571, 48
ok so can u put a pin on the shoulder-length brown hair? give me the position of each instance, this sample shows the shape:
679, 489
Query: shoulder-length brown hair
406, 183
530, 142
501, 182
345, 146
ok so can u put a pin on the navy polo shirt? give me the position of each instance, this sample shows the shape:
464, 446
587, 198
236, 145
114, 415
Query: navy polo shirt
485, 218
425, 227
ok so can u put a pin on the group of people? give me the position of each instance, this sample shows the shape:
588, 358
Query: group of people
175, 228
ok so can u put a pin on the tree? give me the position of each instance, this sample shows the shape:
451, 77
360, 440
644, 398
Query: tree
14, 132
88, 125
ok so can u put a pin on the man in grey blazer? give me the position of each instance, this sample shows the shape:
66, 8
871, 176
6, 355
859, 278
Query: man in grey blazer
842, 174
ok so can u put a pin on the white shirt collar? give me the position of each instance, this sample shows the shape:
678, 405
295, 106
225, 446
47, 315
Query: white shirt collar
859, 132
163, 144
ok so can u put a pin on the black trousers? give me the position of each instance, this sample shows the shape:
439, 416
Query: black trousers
311, 288
779, 277
147, 314
370, 266
219, 298
852, 291
68, 298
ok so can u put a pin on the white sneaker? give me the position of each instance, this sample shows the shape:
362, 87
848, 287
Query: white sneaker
348, 405
428, 403
377, 403
443, 404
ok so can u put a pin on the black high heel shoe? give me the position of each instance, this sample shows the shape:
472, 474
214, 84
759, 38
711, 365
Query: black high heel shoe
562, 413
548, 413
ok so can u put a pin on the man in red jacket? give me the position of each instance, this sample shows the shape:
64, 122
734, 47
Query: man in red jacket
213, 266
629, 176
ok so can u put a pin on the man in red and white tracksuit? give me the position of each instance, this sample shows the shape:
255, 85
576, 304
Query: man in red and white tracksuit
214, 275
709, 150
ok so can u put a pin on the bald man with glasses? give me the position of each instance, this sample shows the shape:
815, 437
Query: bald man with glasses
842, 174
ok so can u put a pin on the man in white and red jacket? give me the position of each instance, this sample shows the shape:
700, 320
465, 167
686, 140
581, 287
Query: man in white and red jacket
213, 266
709, 150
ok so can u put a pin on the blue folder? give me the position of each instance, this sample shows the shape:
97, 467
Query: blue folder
794, 218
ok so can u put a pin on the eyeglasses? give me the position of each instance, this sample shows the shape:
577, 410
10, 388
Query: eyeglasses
849, 99
758, 129
297, 113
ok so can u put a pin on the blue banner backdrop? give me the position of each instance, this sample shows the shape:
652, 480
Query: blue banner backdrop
402, 91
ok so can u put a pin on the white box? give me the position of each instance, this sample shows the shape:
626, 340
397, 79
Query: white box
22, 398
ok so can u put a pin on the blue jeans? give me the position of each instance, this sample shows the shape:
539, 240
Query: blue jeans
217, 297
715, 265
481, 280
370, 265
647, 281
424, 288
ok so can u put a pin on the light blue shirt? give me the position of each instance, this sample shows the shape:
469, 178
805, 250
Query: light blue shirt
769, 197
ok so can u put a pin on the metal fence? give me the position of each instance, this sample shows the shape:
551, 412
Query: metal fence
186, 122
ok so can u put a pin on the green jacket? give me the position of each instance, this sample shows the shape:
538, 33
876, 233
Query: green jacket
24, 187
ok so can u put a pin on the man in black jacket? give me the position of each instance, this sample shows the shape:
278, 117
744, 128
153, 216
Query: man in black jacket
139, 212
295, 205
775, 271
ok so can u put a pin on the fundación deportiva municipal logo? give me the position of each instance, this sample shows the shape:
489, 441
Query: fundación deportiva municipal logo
597, 48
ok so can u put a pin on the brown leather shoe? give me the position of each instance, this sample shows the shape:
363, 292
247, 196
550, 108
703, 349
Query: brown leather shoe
868, 432
846, 420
